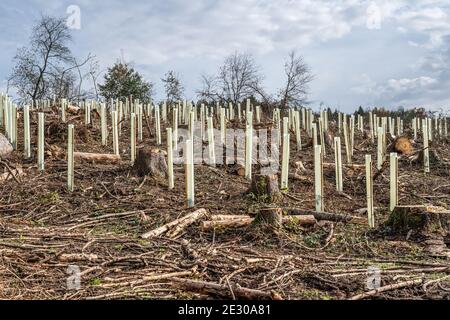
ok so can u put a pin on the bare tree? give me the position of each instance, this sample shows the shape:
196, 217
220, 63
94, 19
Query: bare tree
298, 77
173, 87
209, 91
35, 64
239, 77
94, 73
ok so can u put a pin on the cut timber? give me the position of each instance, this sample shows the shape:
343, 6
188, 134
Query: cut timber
234, 221
422, 220
242, 221
73, 109
265, 187
151, 162
270, 216
175, 227
239, 170
336, 217
102, 158
308, 220
403, 145
224, 291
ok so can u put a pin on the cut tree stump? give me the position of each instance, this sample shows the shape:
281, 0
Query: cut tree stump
270, 216
403, 145
422, 220
239, 170
427, 224
151, 162
265, 188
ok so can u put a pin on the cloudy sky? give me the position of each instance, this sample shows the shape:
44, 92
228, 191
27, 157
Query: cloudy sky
370, 53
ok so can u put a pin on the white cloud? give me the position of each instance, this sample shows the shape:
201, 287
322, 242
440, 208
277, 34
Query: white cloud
194, 36
401, 85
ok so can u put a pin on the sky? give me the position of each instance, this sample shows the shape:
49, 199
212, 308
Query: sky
383, 53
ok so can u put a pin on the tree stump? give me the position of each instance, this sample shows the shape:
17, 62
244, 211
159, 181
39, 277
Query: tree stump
151, 162
424, 220
265, 188
270, 216
239, 170
403, 145
428, 224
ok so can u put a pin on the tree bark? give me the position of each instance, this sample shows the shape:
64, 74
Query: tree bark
270, 216
102, 158
176, 226
265, 188
336, 217
151, 162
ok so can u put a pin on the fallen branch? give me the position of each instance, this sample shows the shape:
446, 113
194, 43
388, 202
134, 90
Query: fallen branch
387, 288
336, 217
224, 291
11, 174
103, 158
233, 221
230, 223
177, 225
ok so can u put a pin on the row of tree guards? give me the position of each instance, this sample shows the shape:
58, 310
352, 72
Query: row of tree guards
292, 120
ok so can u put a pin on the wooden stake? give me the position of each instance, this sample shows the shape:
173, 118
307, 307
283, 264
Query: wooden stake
202, 122
170, 157
158, 125
258, 114
211, 147
285, 162
26, 131
41, 140
338, 164
133, 137
352, 135
369, 190
380, 148
393, 181
175, 128
70, 162
249, 145
14, 126
87, 113
298, 134
348, 151
318, 178
115, 128
189, 167
103, 124
63, 110
139, 121
314, 134
426, 150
